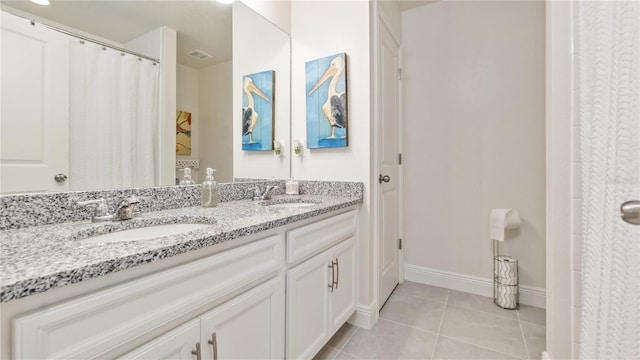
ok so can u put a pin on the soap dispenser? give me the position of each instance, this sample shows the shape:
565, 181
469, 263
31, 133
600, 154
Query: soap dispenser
293, 187
209, 195
186, 179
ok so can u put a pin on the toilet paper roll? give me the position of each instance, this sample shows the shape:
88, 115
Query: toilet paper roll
506, 270
502, 219
506, 296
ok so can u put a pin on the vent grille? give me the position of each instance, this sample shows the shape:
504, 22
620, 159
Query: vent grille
199, 54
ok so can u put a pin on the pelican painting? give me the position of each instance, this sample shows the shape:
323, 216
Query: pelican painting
326, 85
257, 111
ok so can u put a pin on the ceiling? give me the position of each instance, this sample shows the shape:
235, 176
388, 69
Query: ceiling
202, 25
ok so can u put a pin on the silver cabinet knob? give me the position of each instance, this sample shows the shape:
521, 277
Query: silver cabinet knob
383, 178
60, 178
630, 212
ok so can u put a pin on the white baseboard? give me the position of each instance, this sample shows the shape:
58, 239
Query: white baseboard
365, 316
529, 295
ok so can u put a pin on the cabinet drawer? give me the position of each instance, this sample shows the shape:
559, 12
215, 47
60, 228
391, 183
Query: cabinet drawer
310, 239
91, 325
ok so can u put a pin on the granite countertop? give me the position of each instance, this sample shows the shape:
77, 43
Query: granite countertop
36, 259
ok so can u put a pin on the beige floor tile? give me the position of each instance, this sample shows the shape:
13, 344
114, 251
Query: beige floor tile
535, 337
342, 336
478, 303
483, 329
388, 340
447, 348
344, 356
413, 311
427, 292
532, 314
326, 353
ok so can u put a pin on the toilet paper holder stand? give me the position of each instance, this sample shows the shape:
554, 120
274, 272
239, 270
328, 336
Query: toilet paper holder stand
505, 279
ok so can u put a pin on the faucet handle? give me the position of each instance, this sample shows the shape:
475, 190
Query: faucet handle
257, 194
101, 210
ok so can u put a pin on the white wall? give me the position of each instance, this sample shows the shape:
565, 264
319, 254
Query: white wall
276, 11
215, 114
319, 29
187, 100
474, 139
206, 93
259, 46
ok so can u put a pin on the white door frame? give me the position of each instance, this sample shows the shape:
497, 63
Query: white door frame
561, 321
377, 23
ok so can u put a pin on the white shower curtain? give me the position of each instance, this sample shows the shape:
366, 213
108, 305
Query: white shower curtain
113, 118
609, 115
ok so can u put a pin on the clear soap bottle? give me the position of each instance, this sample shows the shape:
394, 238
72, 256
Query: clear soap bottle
209, 195
186, 178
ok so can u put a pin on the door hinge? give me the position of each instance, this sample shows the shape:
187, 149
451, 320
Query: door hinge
399, 73
400, 244
399, 159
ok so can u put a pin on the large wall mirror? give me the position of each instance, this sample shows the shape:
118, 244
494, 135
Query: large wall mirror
184, 56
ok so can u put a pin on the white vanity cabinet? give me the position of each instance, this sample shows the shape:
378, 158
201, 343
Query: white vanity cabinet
321, 291
250, 326
102, 323
280, 294
177, 344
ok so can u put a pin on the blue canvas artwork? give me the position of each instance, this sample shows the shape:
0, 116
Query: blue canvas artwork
257, 111
326, 86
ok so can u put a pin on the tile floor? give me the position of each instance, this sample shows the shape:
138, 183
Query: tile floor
425, 322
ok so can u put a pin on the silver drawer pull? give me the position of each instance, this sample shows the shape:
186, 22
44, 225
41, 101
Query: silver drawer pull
214, 342
333, 275
197, 352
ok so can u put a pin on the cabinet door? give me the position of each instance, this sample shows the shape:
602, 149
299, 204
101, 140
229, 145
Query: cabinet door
176, 344
343, 297
308, 307
250, 326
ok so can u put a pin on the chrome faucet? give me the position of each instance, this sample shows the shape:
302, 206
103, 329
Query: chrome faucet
124, 210
266, 195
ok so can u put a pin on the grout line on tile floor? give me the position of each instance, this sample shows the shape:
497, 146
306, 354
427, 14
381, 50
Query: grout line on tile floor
476, 345
531, 323
444, 309
349, 339
486, 312
524, 338
407, 326
422, 297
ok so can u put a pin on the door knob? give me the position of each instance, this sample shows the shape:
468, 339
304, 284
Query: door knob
60, 178
630, 212
384, 178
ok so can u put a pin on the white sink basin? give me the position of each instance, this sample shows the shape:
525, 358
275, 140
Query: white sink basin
291, 205
143, 233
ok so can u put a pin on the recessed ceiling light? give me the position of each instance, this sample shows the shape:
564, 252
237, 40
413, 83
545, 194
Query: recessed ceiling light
41, 2
225, 1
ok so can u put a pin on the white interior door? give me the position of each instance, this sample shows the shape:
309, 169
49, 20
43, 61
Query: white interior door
388, 194
35, 107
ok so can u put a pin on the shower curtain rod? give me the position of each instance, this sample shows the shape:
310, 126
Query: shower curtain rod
82, 37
